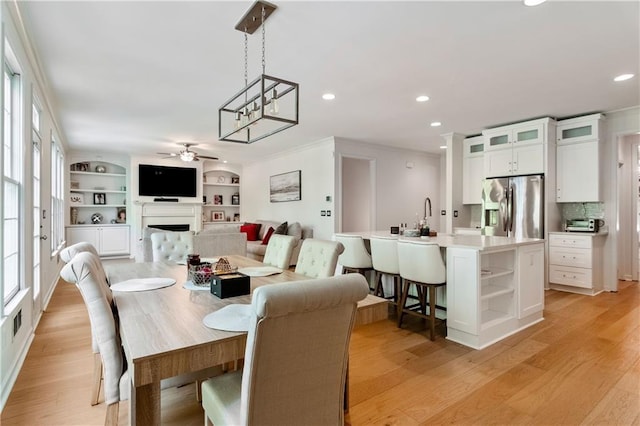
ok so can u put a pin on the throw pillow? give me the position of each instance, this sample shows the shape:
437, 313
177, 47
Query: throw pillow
251, 229
267, 236
295, 230
282, 229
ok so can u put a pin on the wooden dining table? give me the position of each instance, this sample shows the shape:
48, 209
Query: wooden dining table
163, 334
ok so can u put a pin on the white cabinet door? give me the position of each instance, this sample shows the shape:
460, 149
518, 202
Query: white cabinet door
83, 234
531, 279
473, 176
527, 159
114, 240
578, 173
498, 163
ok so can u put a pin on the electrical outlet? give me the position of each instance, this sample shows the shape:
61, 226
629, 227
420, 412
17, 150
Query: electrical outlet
455, 213
328, 212
443, 212
323, 212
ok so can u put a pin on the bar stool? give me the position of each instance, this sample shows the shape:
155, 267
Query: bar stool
384, 257
355, 257
421, 264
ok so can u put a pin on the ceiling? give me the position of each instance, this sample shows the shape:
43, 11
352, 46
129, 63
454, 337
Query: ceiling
141, 77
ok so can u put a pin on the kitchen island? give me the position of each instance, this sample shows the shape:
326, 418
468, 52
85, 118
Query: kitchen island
495, 285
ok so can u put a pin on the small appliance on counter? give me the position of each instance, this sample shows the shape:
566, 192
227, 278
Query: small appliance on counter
582, 225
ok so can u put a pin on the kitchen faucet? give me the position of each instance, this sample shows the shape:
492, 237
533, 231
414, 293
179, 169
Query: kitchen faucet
427, 201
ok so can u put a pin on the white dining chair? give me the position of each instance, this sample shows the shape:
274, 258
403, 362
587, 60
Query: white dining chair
82, 272
355, 257
171, 246
295, 358
279, 251
318, 258
66, 255
421, 265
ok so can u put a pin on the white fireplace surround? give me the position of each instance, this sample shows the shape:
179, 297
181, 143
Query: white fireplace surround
164, 213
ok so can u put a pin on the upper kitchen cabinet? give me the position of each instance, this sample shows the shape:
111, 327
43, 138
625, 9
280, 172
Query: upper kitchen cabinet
517, 149
579, 150
473, 170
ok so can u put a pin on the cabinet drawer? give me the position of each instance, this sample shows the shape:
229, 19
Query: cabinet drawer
570, 240
566, 275
578, 258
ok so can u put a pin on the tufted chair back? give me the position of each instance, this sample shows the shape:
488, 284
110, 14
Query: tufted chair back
295, 358
355, 253
279, 250
171, 246
81, 271
318, 258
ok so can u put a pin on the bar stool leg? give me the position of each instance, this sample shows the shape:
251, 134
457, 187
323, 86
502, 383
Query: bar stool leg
403, 301
432, 312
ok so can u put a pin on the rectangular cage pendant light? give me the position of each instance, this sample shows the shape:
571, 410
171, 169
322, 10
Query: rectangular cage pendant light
265, 106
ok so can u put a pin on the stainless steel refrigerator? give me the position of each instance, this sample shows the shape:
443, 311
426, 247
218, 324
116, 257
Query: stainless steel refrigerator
513, 206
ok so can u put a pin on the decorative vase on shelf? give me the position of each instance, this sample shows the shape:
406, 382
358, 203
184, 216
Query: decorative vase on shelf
101, 169
74, 215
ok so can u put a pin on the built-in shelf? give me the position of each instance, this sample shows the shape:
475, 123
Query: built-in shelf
220, 205
491, 291
491, 318
237, 185
105, 191
494, 272
220, 222
73, 172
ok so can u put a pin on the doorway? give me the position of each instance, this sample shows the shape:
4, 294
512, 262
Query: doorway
357, 211
628, 259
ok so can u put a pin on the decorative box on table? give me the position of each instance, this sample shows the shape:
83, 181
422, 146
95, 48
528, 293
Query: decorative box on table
230, 285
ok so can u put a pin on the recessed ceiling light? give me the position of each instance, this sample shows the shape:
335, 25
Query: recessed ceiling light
533, 2
443, 147
328, 96
422, 98
436, 124
623, 77
224, 161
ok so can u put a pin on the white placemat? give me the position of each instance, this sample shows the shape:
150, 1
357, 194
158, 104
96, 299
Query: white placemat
230, 318
189, 285
143, 284
260, 271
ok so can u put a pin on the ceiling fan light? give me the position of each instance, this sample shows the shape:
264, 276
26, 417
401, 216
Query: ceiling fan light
187, 156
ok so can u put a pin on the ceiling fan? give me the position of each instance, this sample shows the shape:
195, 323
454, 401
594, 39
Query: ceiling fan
186, 154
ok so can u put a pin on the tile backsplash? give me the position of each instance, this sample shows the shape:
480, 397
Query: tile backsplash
582, 210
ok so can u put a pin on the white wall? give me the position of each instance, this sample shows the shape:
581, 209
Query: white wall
404, 178
316, 162
618, 125
13, 349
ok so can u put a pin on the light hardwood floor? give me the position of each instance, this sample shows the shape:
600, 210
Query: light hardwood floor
579, 366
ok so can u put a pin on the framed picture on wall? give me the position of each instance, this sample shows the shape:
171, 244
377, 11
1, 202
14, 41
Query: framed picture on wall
285, 187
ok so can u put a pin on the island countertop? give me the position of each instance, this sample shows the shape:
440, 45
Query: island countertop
477, 242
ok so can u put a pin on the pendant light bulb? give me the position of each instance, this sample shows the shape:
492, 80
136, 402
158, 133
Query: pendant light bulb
238, 119
274, 109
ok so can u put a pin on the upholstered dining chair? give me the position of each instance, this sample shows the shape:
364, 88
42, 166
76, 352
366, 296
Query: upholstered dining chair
82, 272
171, 246
421, 265
295, 358
355, 257
318, 258
384, 258
66, 255
279, 250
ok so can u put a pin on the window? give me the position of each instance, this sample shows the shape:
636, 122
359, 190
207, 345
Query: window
57, 196
11, 183
35, 123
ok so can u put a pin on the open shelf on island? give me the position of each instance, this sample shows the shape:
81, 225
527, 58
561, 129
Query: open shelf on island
490, 291
490, 318
494, 272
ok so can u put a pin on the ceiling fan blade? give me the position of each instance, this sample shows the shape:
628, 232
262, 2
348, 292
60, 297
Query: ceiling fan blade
206, 157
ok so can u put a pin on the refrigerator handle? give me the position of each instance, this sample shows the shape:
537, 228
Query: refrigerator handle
510, 208
504, 207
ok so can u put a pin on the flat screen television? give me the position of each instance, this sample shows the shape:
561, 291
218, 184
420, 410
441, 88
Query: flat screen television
163, 181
